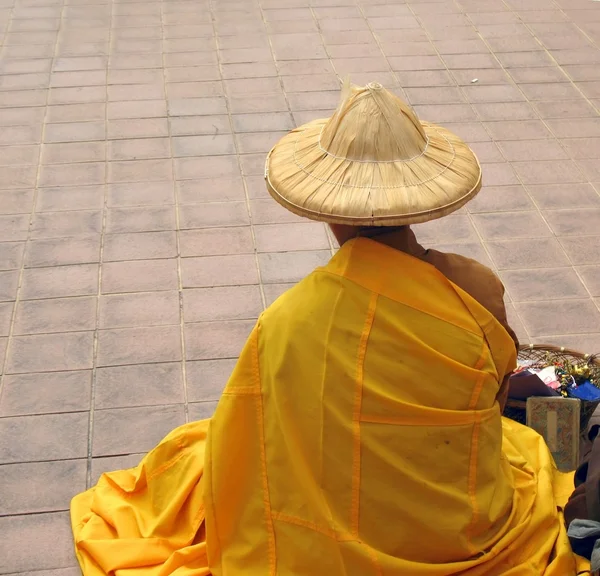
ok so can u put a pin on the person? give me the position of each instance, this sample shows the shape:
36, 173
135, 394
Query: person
361, 431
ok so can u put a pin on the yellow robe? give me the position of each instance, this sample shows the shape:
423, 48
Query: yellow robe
357, 436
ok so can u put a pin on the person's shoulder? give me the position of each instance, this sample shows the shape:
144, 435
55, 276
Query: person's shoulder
456, 264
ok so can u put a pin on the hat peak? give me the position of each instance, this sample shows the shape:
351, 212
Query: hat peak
371, 124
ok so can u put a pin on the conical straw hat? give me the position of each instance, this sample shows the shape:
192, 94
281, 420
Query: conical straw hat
373, 163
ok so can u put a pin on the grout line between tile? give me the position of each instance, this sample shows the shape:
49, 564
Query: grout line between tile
237, 151
543, 121
177, 226
470, 104
9, 339
90, 437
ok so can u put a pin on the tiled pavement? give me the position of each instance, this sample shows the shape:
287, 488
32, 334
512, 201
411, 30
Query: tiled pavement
138, 242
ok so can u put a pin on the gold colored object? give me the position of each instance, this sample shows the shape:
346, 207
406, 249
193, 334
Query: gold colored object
373, 163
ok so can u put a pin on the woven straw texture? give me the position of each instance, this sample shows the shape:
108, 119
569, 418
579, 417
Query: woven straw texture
373, 163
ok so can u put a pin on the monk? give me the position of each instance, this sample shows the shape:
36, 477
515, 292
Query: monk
361, 431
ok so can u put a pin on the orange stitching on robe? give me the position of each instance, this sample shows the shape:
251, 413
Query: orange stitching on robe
473, 480
480, 379
362, 350
263, 460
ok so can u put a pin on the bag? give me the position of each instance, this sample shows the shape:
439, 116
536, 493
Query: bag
584, 502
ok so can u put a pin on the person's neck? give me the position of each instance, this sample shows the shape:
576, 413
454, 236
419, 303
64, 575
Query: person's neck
402, 238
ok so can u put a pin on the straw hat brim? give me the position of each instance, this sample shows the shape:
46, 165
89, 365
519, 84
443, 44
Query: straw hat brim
311, 182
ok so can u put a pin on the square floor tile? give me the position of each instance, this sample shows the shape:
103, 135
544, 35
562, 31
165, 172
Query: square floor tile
582, 249
292, 236
45, 393
59, 281
141, 309
133, 430
141, 194
208, 271
216, 241
201, 410
559, 317
591, 278
216, 340
501, 199
138, 385
48, 437
148, 219
455, 228
510, 225
139, 246
543, 284
286, 267
274, 291
576, 222
139, 345
527, 253
63, 251
206, 379
53, 543
213, 215
55, 315
50, 352
41, 486
139, 276
222, 303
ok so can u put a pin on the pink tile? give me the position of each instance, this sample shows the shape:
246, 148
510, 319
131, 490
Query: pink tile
139, 345
139, 171
213, 215
202, 190
142, 309
216, 241
203, 145
44, 393
136, 149
196, 125
133, 430
206, 167
274, 291
50, 353
137, 128
72, 174
139, 276
16, 201
216, 340
209, 271
500, 199
548, 172
573, 222
56, 315
286, 267
286, 237
141, 194
222, 303
11, 255
63, 251
139, 246
147, 384
59, 224
559, 317
41, 486
150, 219
53, 537
543, 284
554, 196
510, 225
